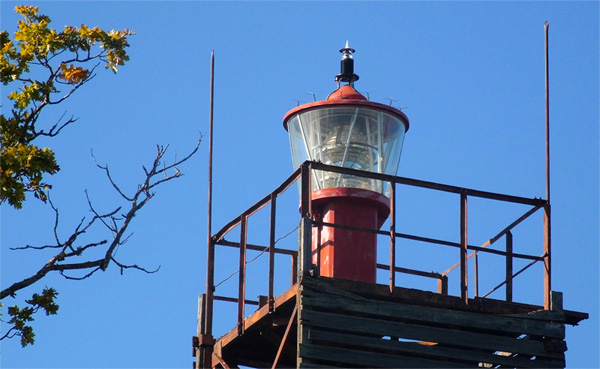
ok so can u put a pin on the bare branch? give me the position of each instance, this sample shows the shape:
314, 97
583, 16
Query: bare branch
115, 221
79, 278
134, 266
79, 250
8, 333
10, 291
55, 228
98, 216
105, 168
29, 247
55, 129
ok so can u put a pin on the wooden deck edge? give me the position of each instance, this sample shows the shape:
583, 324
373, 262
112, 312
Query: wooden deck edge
433, 299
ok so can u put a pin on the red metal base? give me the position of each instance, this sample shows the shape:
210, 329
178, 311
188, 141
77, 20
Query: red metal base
343, 253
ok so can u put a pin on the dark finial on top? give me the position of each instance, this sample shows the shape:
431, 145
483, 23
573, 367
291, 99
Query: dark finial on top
346, 67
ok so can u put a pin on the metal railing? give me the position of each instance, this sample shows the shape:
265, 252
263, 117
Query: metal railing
301, 260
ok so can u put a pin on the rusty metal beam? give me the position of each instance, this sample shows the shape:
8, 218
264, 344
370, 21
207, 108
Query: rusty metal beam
221, 361
285, 336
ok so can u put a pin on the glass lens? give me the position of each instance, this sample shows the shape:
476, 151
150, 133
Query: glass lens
351, 137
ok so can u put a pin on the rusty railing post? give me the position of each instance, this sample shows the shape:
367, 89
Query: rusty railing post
547, 258
305, 228
392, 236
305, 202
272, 251
305, 246
242, 275
476, 275
200, 351
443, 285
294, 267
509, 266
463, 249
209, 302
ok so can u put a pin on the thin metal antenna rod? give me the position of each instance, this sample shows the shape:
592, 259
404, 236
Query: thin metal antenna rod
547, 117
547, 218
210, 260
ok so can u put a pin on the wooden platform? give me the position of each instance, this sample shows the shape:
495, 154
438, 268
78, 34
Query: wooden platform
341, 323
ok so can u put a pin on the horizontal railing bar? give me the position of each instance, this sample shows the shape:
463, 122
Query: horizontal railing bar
427, 240
259, 205
257, 248
504, 253
430, 185
233, 299
411, 271
470, 247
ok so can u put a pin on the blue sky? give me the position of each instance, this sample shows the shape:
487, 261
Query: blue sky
469, 75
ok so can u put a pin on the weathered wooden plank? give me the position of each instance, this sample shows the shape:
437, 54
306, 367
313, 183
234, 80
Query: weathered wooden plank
516, 325
356, 358
417, 332
301, 330
464, 320
431, 299
322, 286
473, 357
309, 364
543, 315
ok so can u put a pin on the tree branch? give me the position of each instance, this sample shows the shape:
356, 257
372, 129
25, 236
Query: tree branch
117, 223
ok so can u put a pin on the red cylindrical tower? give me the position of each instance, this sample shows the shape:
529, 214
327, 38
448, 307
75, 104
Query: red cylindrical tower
349, 131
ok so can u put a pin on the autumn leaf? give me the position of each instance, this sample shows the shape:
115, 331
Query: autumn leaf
72, 74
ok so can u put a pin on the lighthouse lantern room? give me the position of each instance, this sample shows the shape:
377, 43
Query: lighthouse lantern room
347, 130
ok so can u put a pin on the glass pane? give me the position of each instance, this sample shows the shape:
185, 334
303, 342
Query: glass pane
351, 137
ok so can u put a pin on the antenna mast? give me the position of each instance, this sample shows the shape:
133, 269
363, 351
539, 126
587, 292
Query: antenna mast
547, 222
210, 271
